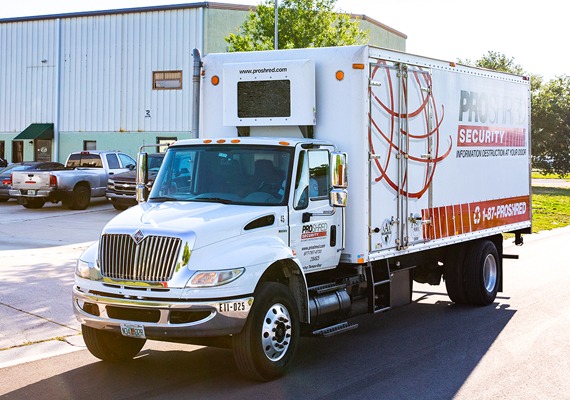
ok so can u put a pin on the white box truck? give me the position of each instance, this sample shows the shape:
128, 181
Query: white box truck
322, 184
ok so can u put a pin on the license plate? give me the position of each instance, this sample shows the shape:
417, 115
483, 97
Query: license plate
133, 330
31, 192
234, 306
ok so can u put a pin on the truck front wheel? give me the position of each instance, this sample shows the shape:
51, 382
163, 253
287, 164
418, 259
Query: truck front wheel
264, 349
111, 346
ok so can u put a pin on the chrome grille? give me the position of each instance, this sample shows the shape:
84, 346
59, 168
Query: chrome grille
152, 260
124, 187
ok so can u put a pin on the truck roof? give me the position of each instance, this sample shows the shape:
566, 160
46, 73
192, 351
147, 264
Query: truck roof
265, 141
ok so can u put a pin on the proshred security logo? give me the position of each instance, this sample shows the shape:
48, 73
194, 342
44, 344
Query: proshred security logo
497, 123
312, 231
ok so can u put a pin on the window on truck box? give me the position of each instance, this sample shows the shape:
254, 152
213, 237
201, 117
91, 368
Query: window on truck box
264, 99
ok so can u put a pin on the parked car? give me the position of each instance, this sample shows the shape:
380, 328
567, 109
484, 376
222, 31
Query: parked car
6, 173
121, 188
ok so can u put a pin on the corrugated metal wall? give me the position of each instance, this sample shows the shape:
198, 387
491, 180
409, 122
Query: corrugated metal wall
105, 71
27, 85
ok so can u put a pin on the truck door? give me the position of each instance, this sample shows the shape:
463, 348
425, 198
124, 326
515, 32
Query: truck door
315, 226
404, 142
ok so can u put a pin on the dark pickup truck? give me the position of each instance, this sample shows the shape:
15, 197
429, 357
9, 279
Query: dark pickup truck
121, 188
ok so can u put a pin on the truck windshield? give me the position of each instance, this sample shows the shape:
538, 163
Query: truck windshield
236, 174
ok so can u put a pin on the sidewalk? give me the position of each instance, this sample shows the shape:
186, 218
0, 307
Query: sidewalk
35, 304
559, 183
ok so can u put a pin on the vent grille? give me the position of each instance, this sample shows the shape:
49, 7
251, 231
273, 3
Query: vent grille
152, 260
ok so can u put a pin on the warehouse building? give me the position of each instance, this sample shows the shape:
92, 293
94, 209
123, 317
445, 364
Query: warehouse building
114, 79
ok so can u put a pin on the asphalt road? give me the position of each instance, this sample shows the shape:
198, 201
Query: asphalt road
517, 348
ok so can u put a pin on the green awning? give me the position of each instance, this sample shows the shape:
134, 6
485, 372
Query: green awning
36, 131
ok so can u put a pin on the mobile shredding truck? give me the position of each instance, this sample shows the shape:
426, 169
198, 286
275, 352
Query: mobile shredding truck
323, 182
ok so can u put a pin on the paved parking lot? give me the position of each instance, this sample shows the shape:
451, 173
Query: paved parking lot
52, 225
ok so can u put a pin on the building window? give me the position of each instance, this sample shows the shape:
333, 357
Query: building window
167, 80
89, 145
166, 141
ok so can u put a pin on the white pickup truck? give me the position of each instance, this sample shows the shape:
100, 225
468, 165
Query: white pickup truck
85, 177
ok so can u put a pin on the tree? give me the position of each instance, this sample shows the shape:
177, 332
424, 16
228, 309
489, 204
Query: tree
302, 23
550, 114
496, 61
551, 127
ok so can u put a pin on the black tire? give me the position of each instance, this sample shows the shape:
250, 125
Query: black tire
119, 207
111, 346
453, 273
34, 203
81, 198
265, 347
482, 273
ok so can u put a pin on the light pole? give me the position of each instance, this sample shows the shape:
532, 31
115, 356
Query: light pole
276, 36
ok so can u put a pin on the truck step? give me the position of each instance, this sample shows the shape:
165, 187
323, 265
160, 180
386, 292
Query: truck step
335, 329
327, 287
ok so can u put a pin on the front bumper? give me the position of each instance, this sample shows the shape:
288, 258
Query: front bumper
122, 199
162, 319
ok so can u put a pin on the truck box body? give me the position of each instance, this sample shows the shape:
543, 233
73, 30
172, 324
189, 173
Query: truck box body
439, 153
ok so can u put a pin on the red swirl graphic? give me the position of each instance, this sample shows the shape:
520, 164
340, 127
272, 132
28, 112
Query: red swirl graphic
416, 120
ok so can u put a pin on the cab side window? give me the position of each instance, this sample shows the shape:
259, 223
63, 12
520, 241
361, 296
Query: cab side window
312, 177
113, 161
318, 174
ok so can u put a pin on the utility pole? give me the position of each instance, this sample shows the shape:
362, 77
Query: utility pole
276, 36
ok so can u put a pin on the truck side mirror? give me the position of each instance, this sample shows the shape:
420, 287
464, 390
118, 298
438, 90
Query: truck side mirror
338, 197
339, 175
339, 179
142, 176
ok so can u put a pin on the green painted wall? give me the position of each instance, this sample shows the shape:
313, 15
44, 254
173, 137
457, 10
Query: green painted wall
127, 142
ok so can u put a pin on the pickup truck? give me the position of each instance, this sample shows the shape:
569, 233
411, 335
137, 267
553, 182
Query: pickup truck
85, 176
121, 188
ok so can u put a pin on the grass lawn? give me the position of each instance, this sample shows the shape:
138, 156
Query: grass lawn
550, 208
538, 175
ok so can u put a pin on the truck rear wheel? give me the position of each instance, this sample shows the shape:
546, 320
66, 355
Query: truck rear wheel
80, 198
264, 349
472, 273
482, 273
34, 203
111, 346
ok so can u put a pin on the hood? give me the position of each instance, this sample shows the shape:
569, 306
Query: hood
199, 223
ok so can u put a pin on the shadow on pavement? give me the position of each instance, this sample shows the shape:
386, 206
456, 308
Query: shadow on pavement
424, 351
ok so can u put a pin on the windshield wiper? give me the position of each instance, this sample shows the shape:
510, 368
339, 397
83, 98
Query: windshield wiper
213, 200
163, 198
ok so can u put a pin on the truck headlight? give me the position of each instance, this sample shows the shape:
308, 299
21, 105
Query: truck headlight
214, 278
87, 270
110, 184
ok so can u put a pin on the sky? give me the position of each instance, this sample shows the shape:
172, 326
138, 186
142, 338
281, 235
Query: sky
533, 33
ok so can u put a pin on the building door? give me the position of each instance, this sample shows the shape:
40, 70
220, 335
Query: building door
42, 150
17, 151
